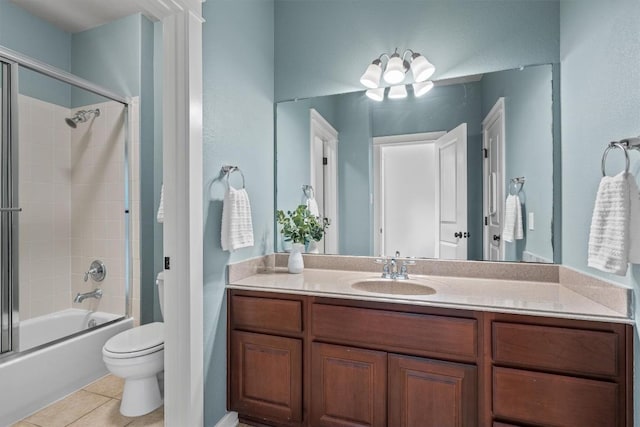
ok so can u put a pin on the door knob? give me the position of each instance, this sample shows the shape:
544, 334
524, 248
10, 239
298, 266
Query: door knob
458, 234
496, 237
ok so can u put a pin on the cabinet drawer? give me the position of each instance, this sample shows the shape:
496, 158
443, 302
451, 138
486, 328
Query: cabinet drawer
548, 399
564, 350
419, 334
266, 314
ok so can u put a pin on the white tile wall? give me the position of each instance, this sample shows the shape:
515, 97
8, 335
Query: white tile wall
72, 194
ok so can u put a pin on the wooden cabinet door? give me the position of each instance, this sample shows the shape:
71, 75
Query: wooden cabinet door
266, 376
430, 393
348, 387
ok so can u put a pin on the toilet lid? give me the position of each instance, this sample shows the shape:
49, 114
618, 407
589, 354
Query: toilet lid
139, 340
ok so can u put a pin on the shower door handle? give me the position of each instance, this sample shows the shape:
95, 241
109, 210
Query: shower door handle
10, 209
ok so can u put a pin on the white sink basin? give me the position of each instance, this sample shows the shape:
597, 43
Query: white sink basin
393, 287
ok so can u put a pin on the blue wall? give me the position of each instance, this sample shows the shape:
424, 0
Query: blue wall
355, 182
323, 47
29, 35
109, 55
529, 149
600, 53
238, 130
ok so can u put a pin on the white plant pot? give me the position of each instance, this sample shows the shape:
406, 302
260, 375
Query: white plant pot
296, 262
312, 247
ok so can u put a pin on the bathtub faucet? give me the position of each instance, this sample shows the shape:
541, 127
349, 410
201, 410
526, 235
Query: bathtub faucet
97, 294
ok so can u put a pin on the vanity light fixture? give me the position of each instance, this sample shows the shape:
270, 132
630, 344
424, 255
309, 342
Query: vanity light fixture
394, 71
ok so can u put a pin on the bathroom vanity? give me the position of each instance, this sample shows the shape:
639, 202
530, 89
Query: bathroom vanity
313, 350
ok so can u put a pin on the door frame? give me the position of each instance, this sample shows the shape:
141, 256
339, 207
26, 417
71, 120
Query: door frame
320, 127
377, 197
183, 228
497, 113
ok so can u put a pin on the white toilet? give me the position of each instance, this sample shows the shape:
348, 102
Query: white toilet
137, 355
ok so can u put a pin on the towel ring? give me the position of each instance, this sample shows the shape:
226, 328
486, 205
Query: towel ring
228, 170
609, 148
516, 184
308, 191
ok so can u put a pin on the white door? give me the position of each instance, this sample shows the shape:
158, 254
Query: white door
451, 166
407, 199
493, 181
324, 176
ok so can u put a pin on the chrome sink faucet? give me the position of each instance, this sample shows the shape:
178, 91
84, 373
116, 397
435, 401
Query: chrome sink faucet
97, 294
390, 267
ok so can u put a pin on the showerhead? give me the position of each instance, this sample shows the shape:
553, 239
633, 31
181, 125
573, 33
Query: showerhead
72, 122
81, 116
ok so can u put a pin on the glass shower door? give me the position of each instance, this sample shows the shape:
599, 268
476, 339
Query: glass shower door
8, 211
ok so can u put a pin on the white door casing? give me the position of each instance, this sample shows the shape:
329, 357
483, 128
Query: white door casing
405, 190
323, 176
183, 228
451, 164
493, 144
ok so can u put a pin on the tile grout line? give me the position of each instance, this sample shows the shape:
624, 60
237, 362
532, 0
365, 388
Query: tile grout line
84, 415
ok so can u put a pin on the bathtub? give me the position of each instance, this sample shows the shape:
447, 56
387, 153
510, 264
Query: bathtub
38, 375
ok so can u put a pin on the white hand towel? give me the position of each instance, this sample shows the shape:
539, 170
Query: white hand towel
237, 228
312, 205
160, 215
634, 221
512, 229
609, 233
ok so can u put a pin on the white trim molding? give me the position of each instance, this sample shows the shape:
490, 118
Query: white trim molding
183, 228
229, 420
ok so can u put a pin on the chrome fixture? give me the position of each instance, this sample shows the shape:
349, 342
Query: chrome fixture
97, 271
395, 70
96, 293
390, 267
81, 116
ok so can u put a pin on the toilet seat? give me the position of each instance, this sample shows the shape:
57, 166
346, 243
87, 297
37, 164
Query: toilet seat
136, 342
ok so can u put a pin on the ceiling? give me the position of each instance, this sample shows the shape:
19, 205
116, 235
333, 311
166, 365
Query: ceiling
74, 16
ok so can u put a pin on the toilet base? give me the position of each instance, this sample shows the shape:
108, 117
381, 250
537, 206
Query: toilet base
140, 396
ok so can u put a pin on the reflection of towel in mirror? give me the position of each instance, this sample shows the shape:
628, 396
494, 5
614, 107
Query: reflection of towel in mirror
512, 229
312, 205
634, 221
160, 216
614, 224
237, 228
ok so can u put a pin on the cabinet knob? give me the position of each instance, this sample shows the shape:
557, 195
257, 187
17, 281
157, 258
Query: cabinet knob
496, 237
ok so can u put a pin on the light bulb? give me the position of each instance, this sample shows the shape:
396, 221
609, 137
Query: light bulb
375, 94
421, 88
371, 77
397, 92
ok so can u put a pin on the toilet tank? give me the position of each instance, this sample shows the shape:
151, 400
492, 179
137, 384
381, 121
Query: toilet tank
160, 285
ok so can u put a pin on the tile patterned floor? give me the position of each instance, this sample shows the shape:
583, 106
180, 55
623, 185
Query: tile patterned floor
96, 405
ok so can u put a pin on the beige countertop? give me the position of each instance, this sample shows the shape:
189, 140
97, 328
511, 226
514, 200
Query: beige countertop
486, 294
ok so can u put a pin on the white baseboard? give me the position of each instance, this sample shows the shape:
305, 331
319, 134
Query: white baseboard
229, 420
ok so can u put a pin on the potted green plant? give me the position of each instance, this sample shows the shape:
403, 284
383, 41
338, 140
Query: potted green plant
300, 228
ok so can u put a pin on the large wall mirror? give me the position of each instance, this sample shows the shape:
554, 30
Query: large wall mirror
434, 176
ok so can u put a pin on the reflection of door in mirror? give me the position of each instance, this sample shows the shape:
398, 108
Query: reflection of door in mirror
452, 169
420, 194
493, 181
324, 176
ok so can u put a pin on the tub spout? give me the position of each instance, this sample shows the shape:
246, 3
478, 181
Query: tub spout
97, 294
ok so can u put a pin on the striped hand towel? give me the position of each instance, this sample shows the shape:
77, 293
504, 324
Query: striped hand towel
609, 233
237, 228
